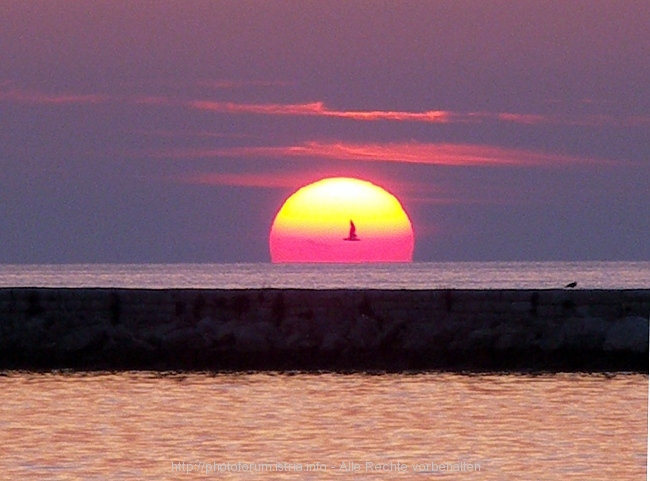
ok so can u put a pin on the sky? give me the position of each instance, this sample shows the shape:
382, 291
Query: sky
165, 131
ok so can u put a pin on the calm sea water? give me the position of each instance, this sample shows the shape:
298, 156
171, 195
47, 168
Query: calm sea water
140, 425
293, 427
467, 275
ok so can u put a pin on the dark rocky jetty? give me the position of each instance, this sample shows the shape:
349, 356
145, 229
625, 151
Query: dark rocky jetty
335, 330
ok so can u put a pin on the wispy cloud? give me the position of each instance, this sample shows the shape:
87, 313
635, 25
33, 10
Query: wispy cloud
235, 84
191, 134
408, 191
247, 179
528, 119
411, 152
319, 109
10, 93
215, 84
36, 97
156, 100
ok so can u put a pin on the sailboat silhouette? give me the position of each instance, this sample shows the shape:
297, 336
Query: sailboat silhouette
352, 236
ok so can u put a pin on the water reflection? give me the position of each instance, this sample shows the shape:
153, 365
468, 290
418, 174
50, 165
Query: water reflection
136, 425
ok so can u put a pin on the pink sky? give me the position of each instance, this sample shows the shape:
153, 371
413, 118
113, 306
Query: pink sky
154, 132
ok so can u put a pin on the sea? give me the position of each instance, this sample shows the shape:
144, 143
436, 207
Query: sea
140, 425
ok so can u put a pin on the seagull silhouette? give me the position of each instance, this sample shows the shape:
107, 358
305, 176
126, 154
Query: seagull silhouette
352, 236
571, 285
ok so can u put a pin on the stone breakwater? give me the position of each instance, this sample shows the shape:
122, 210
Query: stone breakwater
342, 330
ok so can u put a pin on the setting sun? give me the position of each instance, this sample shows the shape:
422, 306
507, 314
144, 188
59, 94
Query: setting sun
318, 222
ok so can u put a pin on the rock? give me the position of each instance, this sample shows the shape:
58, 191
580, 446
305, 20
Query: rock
25, 336
294, 325
184, 340
363, 333
32, 332
630, 333
221, 334
342, 327
523, 334
333, 337
419, 336
207, 324
551, 337
298, 333
298, 342
254, 337
90, 338
480, 339
391, 332
157, 334
123, 344
462, 334
583, 333
509, 338
212, 329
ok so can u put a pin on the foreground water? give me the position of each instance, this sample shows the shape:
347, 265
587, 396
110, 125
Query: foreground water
306, 426
98, 426
419, 275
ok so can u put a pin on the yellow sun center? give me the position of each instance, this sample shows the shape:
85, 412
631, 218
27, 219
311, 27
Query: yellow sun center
313, 223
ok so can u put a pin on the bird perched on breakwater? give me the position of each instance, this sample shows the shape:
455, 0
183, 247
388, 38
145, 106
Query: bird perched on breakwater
571, 285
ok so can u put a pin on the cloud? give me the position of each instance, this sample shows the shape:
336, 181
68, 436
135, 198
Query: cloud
36, 97
234, 84
410, 152
190, 134
215, 84
528, 119
446, 200
248, 179
30, 96
319, 109
315, 109
409, 191
155, 100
